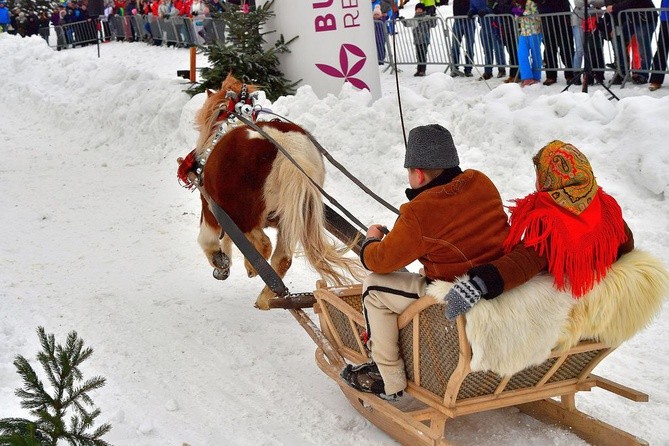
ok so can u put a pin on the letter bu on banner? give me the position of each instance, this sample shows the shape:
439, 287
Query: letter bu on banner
335, 44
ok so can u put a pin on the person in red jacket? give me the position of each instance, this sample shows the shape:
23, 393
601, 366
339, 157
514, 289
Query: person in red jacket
569, 227
454, 220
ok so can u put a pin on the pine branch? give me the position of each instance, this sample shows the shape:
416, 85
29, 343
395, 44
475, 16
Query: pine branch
33, 394
61, 365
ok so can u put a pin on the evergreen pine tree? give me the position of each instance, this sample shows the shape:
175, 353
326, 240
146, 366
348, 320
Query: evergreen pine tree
68, 397
245, 54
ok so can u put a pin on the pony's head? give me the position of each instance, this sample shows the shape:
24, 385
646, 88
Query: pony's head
234, 95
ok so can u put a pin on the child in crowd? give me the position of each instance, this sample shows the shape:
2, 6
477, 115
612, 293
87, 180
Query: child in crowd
421, 24
529, 41
569, 227
454, 220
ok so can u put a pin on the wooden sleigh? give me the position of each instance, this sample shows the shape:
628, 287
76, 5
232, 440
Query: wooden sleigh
441, 385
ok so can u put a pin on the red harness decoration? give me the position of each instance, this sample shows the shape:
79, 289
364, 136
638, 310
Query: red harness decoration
185, 168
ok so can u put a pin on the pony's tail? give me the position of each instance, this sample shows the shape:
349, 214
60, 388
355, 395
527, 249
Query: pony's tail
302, 220
320, 251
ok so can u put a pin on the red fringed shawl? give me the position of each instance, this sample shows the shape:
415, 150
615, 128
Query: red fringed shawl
579, 248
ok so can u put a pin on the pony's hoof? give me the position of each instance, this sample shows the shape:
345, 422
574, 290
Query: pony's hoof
221, 260
221, 273
262, 303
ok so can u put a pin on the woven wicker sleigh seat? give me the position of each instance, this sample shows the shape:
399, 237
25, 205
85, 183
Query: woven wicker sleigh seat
437, 358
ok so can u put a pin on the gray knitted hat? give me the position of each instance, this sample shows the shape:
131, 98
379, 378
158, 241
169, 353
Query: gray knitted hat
431, 147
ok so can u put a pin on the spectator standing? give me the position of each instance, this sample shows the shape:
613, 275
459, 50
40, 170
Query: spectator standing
58, 20
198, 13
13, 21
492, 43
639, 24
593, 47
421, 26
43, 23
463, 29
577, 30
509, 34
96, 9
215, 6
660, 58
32, 24
21, 24
557, 35
380, 10
430, 7
529, 42
130, 8
5, 18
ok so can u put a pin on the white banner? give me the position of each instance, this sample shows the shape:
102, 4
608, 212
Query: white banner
335, 44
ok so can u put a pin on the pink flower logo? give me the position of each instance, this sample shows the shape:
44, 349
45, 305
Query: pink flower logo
347, 50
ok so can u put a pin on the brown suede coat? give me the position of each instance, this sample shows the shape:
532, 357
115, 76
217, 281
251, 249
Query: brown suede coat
448, 228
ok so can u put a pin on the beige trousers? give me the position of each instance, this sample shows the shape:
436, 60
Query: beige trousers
384, 297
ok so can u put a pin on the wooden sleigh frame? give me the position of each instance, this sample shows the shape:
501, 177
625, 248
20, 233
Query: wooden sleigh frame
441, 385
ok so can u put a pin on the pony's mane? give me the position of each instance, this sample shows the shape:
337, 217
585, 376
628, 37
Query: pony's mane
206, 117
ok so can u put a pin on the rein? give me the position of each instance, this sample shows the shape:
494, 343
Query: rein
341, 168
285, 153
191, 170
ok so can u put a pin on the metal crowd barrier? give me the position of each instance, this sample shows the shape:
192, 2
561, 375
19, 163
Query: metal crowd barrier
483, 43
641, 25
177, 31
75, 34
460, 43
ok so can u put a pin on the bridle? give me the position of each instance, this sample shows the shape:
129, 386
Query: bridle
244, 105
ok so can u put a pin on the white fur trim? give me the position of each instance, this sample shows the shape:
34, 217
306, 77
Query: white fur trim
519, 328
438, 289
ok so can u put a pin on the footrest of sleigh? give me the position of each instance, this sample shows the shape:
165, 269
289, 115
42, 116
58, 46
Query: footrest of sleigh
293, 301
411, 423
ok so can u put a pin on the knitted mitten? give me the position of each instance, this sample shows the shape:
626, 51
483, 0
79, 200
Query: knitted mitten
463, 295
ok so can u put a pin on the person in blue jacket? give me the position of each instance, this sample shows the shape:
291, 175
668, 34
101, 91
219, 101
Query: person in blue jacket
490, 38
5, 18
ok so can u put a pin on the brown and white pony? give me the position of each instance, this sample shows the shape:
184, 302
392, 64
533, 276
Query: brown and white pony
259, 187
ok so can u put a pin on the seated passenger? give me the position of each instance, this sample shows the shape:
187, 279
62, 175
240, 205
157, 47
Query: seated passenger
569, 227
454, 220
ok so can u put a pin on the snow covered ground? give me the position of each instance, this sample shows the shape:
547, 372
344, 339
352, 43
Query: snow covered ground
98, 237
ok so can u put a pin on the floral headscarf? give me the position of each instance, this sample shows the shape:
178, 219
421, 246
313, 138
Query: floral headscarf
565, 173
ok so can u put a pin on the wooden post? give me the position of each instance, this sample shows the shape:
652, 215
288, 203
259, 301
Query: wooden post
193, 51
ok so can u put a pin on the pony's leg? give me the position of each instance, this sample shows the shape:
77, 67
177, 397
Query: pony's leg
262, 243
282, 258
222, 259
208, 239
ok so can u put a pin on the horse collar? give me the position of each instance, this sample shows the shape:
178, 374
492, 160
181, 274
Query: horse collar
195, 163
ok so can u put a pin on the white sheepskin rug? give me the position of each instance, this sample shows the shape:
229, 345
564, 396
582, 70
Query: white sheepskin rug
521, 327
621, 305
517, 329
